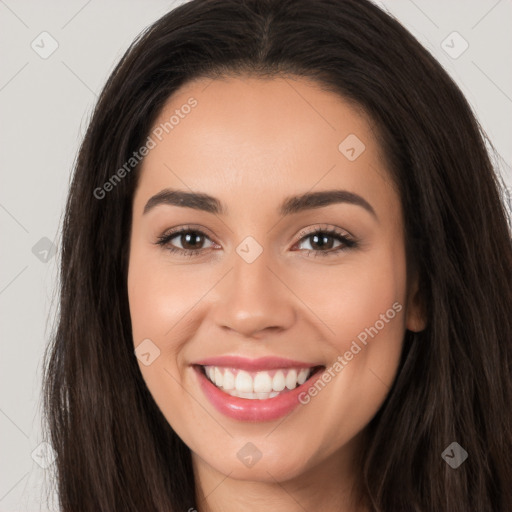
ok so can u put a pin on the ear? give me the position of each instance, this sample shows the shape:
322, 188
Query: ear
416, 318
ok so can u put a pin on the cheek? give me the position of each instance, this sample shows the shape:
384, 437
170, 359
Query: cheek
362, 308
167, 305
350, 298
160, 294
365, 311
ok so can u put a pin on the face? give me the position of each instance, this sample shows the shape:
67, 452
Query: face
289, 265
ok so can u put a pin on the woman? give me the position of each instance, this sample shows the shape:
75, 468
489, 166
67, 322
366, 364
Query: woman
205, 357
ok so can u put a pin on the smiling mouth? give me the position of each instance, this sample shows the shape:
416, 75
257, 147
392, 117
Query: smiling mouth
257, 385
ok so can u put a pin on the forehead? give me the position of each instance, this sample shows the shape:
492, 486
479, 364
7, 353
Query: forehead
263, 138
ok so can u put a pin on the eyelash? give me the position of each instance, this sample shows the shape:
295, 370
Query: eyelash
346, 241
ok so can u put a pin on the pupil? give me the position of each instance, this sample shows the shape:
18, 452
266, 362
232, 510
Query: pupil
190, 239
321, 241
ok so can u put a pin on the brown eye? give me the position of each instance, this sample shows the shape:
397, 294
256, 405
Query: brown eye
191, 240
321, 241
185, 241
326, 242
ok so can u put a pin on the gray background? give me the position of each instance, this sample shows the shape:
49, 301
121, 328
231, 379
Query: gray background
45, 106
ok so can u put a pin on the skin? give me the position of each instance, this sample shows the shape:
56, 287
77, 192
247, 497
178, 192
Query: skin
252, 142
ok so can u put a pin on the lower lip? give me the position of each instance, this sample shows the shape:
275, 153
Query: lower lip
244, 409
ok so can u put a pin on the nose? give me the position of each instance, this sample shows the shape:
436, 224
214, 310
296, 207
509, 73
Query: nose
253, 298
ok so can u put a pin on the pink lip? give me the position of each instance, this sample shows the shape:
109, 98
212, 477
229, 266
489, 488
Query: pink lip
253, 365
243, 409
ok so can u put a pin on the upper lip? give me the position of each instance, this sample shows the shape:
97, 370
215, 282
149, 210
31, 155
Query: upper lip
261, 363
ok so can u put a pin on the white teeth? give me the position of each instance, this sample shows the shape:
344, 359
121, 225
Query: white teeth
303, 376
257, 385
291, 379
262, 383
253, 396
278, 383
218, 377
229, 380
243, 382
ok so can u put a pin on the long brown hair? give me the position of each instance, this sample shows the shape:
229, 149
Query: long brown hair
115, 450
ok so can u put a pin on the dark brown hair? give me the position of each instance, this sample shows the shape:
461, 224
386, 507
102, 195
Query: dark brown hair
115, 449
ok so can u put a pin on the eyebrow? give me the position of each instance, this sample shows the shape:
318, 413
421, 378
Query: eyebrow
291, 205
